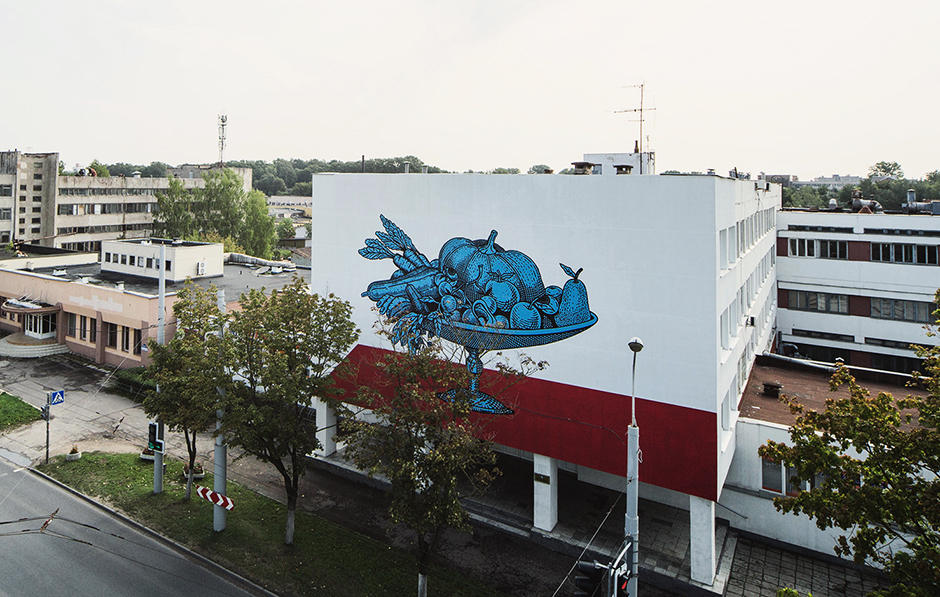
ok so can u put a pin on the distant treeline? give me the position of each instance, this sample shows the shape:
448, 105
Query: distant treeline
890, 191
280, 177
294, 177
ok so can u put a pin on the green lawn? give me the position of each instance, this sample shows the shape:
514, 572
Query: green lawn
326, 559
14, 412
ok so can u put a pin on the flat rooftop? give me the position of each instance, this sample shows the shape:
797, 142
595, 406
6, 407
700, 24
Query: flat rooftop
810, 387
235, 280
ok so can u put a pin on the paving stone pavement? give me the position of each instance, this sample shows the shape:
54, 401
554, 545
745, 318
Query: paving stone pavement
760, 569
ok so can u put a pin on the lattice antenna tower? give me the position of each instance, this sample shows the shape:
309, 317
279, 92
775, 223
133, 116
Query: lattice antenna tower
223, 120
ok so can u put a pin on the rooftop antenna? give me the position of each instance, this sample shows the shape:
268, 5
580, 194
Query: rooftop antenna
642, 87
223, 120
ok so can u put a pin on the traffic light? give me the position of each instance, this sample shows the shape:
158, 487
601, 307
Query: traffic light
589, 578
152, 442
620, 585
44, 412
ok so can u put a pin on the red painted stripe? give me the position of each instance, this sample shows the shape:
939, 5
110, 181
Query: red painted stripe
588, 427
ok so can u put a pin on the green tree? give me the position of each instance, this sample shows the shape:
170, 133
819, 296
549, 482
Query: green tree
285, 228
806, 196
886, 169
421, 444
220, 205
188, 369
872, 463
504, 171
174, 218
282, 347
539, 169
933, 177
155, 170
302, 189
99, 168
271, 185
258, 234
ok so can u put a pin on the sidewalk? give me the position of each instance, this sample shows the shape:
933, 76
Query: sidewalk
504, 549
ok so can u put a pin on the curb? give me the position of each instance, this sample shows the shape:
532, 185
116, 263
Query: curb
232, 577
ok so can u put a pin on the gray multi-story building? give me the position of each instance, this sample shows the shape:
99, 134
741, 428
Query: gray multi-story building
39, 206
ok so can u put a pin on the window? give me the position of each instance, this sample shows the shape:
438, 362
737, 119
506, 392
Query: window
818, 301
22, 188
4, 237
37, 187
71, 325
150, 263
913, 311
112, 331
123, 259
167, 265
83, 328
37, 198
823, 335
771, 476
904, 253
37, 176
131, 260
37, 220
34, 230
833, 249
93, 331
6, 213
107, 257
137, 341
37, 210
774, 477
22, 210
125, 338
6, 190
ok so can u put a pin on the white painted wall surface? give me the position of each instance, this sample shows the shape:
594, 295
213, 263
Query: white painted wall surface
648, 246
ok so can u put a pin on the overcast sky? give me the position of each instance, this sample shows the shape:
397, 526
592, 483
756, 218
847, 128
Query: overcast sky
802, 87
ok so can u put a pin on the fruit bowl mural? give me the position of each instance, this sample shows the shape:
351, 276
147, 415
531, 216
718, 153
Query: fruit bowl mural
475, 294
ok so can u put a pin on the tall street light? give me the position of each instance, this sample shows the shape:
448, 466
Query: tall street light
632, 522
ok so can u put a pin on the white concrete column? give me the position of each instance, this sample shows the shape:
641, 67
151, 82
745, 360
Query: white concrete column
702, 539
326, 428
545, 486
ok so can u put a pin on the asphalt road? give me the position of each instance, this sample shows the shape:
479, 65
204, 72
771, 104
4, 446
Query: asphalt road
84, 550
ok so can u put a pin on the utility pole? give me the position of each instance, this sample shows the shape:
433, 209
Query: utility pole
221, 450
161, 338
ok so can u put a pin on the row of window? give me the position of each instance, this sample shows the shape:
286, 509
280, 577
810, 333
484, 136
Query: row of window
733, 316
886, 231
904, 253
117, 336
101, 229
881, 308
735, 240
823, 249
100, 191
81, 209
818, 301
135, 261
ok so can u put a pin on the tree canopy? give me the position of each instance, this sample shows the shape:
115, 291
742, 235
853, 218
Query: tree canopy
187, 369
280, 348
886, 169
872, 465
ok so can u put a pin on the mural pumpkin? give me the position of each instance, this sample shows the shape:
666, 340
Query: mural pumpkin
475, 294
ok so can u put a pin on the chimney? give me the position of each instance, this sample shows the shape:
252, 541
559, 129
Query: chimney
407, 167
119, 286
623, 168
424, 169
582, 167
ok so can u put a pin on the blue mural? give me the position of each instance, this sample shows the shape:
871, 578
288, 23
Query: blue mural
475, 294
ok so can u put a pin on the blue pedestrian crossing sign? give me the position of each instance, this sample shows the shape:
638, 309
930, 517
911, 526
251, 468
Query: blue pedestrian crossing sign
56, 397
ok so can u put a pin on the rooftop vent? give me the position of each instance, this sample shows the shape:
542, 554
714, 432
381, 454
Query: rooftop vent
583, 167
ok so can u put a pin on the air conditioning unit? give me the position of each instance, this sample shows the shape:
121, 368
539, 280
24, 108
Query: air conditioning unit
201, 268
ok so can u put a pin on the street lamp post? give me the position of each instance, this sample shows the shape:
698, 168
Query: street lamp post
632, 522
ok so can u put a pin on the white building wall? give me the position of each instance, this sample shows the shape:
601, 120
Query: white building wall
187, 260
648, 246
